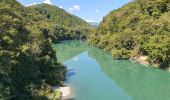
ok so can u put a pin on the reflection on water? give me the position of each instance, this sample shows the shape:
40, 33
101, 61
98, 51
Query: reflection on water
96, 76
70, 49
70, 72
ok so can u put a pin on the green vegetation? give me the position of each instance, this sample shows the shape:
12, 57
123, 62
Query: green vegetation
28, 63
141, 27
60, 25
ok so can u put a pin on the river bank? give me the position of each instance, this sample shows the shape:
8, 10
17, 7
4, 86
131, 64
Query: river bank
144, 61
65, 92
141, 59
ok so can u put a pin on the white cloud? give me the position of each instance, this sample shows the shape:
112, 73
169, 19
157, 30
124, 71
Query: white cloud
60, 6
74, 8
97, 10
32, 4
71, 9
89, 20
47, 2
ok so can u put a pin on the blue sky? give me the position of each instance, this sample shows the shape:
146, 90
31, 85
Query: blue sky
89, 10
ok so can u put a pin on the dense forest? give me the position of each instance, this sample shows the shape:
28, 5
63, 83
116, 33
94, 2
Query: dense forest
28, 63
140, 28
61, 25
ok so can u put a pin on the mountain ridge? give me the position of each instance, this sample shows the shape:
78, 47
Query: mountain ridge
61, 25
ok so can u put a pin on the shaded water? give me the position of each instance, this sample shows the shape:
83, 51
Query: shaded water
94, 75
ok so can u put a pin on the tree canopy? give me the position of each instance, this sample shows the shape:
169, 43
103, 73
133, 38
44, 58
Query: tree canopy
28, 63
141, 27
59, 24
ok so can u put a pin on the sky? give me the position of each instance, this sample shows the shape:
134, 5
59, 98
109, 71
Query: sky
89, 10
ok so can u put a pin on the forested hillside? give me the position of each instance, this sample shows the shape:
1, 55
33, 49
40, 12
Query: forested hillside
61, 25
139, 28
28, 63
58, 15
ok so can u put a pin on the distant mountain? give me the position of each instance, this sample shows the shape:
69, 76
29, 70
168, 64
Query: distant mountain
59, 16
59, 24
93, 23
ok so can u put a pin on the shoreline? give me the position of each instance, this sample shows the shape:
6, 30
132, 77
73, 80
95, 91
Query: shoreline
66, 92
141, 59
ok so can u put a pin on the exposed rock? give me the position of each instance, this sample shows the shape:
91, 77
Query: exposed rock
141, 60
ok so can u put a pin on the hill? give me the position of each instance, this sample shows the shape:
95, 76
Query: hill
140, 28
59, 15
61, 25
28, 63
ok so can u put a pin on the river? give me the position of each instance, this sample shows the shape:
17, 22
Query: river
94, 75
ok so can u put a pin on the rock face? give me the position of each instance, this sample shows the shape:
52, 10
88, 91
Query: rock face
141, 60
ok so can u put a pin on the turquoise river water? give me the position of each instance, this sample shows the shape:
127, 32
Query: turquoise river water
94, 75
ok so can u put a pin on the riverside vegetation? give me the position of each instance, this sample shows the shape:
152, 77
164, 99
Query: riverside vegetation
28, 63
139, 28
